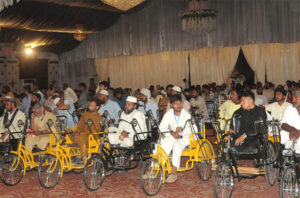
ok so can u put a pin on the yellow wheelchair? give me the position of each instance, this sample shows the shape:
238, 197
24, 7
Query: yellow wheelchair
16, 162
63, 158
200, 154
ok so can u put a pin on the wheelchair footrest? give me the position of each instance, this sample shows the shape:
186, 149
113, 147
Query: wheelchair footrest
246, 170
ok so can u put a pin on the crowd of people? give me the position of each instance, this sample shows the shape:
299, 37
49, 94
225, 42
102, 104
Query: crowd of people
170, 106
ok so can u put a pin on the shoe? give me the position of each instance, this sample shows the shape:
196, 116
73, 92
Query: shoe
171, 179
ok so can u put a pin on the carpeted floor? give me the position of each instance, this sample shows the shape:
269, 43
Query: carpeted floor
188, 185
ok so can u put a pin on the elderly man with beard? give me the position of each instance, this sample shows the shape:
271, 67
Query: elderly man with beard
41, 131
146, 103
9, 122
290, 124
110, 106
198, 102
83, 132
125, 132
175, 120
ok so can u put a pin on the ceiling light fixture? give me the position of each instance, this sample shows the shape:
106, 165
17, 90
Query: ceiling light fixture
123, 5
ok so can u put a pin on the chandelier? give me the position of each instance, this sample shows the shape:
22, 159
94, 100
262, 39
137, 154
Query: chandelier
197, 19
7, 3
123, 5
79, 36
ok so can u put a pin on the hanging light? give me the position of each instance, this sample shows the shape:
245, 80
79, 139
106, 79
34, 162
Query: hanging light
123, 5
197, 19
79, 36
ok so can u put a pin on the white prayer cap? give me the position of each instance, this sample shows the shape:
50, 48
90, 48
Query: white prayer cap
177, 89
131, 99
56, 100
104, 92
163, 92
10, 99
146, 92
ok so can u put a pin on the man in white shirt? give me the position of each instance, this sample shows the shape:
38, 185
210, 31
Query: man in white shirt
260, 99
290, 124
125, 132
175, 120
185, 104
277, 108
69, 94
147, 103
9, 122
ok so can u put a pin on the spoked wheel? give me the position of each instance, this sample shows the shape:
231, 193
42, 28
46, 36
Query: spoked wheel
11, 170
271, 171
288, 183
49, 171
94, 173
151, 177
223, 183
203, 168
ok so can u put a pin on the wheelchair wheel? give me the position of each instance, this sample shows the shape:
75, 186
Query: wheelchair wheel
151, 177
12, 170
271, 171
223, 182
122, 161
49, 171
288, 183
94, 173
203, 168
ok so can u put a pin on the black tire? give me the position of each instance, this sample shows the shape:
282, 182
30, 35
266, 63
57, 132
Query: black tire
12, 170
153, 167
203, 168
289, 183
271, 171
94, 173
49, 171
223, 179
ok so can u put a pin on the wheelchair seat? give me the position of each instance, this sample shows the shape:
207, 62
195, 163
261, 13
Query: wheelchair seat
245, 149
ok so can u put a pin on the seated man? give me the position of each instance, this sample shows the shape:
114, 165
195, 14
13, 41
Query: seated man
174, 120
83, 132
277, 108
227, 109
9, 122
245, 135
66, 108
146, 103
290, 123
38, 124
163, 103
110, 106
198, 102
125, 132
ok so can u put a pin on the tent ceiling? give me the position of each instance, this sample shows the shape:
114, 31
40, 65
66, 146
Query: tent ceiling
51, 24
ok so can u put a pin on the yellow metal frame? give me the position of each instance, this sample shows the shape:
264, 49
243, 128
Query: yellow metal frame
193, 153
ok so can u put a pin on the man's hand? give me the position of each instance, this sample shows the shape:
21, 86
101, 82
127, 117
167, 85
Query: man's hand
294, 135
175, 135
232, 131
179, 129
240, 140
111, 121
123, 135
37, 133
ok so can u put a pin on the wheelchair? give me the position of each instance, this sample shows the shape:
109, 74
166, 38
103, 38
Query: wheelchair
200, 154
17, 159
289, 183
263, 155
116, 159
64, 155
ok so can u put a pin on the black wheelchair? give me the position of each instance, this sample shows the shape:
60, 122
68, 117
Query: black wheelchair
116, 159
262, 153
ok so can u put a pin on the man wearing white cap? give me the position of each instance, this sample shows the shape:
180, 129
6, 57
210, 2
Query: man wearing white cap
125, 133
185, 104
9, 122
110, 106
146, 103
66, 108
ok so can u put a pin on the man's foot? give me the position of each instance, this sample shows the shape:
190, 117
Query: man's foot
171, 179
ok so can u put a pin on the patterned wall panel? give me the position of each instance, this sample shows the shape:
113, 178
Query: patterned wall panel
9, 73
53, 73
